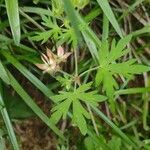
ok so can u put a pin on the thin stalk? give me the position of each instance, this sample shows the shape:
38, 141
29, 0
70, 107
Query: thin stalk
65, 73
93, 120
89, 70
30, 19
76, 66
146, 103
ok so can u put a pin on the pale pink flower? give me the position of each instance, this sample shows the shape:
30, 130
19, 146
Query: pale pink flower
62, 56
51, 61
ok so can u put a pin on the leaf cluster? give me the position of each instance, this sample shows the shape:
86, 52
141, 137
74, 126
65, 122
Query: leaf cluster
62, 33
110, 68
77, 100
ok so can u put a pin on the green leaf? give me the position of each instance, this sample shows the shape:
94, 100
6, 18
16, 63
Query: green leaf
3, 74
84, 87
13, 17
98, 141
103, 52
109, 69
115, 143
54, 31
104, 4
91, 45
118, 50
109, 85
37, 10
70, 11
89, 36
65, 99
105, 28
129, 68
65, 81
42, 36
89, 144
92, 14
78, 116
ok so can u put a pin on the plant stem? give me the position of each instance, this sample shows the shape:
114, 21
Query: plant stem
76, 66
92, 69
93, 120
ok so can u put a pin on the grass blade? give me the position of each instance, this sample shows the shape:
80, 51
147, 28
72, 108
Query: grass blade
91, 45
29, 101
90, 37
3, 74
37, 10
8, 122
88, 30
114, 127
104, 4
92, 14
70, 11
13, 17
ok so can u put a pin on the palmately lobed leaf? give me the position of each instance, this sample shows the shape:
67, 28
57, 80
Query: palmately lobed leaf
128, 68
119, 49
76, 98
109, 67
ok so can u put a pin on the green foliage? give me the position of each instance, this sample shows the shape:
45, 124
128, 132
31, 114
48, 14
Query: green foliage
57, 6
54, 30
60, 33
3, 74
86, 28
13, 17
110, 15
65, 81
93, 143
65, 99
110, 67
115, 143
